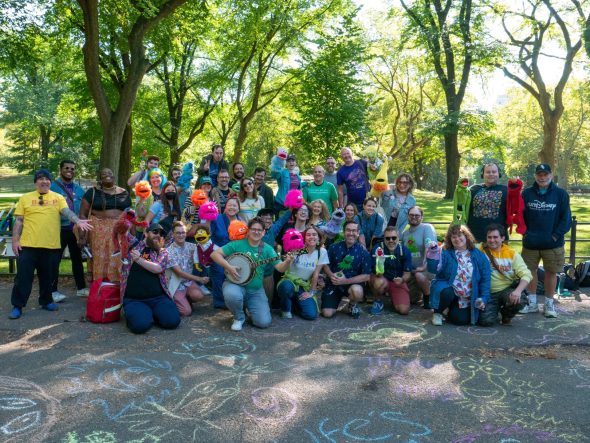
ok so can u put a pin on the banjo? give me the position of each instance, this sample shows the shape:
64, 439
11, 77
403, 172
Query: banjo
246, 267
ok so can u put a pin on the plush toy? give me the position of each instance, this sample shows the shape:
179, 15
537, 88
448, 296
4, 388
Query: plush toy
433, 252
277, 163
120, 231
379, 261
184, 181
143, 189
237, 230
199, 197
205, 248
294, 199
236, 188
380, 184
461, 202
374, 162
208, 211
282, 153
334, 225
515, 206
293, 240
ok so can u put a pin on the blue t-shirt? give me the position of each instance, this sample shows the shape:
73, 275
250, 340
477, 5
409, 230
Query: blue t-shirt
394, 267
351, 261
354, 177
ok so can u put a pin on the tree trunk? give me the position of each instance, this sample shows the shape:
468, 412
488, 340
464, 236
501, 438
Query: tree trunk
174, 159
453, 159
240, 141
125, 163
547, 154
45, 134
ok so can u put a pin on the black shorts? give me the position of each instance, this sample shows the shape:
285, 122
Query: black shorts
333, 294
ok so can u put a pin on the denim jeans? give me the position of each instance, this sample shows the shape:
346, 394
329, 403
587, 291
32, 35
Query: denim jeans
500, 303
238, 297
457, 316
308, 308
140, 314
29, 259
217, 277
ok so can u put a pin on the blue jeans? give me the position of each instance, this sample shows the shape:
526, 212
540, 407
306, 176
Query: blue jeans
457, 316
308, 308
255, 300
217, 278
140, 314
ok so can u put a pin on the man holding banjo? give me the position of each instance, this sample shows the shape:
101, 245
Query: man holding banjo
243, 262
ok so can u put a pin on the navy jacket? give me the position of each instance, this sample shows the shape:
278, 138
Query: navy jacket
548, 217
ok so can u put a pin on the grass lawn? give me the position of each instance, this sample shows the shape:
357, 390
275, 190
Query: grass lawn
436, 209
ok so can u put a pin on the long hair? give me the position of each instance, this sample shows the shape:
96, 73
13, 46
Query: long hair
324, 214
456, 230
407, 177
242, 193
175, 203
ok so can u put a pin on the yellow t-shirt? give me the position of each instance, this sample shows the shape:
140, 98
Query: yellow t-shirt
41, 222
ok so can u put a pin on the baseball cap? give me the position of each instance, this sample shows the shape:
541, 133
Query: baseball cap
205, 179
291, 157
543, 167
156, 227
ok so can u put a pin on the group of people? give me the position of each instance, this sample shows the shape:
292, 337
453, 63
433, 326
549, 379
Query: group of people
383, 248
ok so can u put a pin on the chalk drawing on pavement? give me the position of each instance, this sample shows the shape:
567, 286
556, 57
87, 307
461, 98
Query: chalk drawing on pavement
27, 412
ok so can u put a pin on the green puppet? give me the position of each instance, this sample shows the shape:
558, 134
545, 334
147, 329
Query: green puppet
461, 202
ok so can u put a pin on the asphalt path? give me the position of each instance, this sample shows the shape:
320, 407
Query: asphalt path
378, 379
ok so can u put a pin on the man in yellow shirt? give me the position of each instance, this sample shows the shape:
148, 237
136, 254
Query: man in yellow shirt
510, 277
36, 242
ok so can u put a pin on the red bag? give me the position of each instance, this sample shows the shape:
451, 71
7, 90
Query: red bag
104, 302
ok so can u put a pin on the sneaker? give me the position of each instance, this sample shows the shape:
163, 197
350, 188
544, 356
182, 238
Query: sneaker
530, 308
355, 311
344, 304
437, 319
549, 310
506, 320
237, 325
286, 315
50, 307
58, 296
377, 307
15, 313
82, 292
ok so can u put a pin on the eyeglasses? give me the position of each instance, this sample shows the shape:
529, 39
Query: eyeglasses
415, 215
256, 230
41, 202
391, 238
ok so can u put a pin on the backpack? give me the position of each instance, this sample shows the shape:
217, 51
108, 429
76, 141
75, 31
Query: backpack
104, 302
583, 273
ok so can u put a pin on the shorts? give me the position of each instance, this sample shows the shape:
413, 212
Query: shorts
399, 294
333, 294
553, 259
416, 295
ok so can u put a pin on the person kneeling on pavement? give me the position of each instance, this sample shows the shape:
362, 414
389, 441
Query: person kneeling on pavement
510, 278
146, 299
462, 282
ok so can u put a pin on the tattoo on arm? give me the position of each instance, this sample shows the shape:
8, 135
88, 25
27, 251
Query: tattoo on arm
17, 229
71, 215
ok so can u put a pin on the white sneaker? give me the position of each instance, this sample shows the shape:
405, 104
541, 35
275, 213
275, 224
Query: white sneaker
82, 292
237, 325
549, 310
58, 297
529, 309
437, 319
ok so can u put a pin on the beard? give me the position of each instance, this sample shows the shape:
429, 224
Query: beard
155, 244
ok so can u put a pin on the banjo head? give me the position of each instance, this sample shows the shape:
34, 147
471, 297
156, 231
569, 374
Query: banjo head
244, 264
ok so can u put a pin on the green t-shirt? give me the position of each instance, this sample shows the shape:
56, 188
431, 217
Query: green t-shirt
326, 192
244, 247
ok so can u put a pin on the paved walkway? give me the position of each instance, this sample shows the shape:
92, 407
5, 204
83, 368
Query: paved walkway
384, 378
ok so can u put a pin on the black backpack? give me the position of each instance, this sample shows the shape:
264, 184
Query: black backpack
583, 273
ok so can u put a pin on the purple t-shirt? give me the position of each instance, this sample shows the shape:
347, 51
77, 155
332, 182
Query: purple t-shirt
294, 181
355, 179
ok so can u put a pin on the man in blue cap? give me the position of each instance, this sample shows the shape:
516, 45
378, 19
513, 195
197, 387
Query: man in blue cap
548, 218
36, 241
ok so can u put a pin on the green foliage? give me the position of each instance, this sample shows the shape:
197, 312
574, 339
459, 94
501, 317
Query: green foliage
330, 101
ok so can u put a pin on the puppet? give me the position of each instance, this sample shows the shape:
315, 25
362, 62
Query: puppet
334, 225
293, 240
380, 184
374, 163
237, 230
515, 206
184, 182
198, 198
120, 231
380, 257
294, 199
208, 211
461, 202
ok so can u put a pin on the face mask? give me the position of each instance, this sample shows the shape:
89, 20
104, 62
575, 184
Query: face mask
170, 195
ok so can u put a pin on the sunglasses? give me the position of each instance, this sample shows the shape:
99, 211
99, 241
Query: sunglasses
68, 168
247, 184
41, 201
391, 238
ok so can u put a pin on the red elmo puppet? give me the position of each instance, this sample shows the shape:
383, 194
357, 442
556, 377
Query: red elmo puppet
515, 206
120, 231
